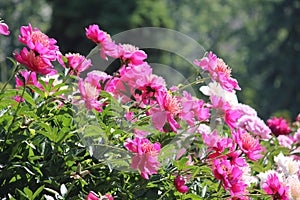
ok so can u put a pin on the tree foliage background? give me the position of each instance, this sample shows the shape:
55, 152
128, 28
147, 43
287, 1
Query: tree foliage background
259, 40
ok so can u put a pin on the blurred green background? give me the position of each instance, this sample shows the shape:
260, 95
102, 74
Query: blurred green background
259, 40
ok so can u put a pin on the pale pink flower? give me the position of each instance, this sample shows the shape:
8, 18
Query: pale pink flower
255, 125
215, 89
297, 135
245, 109
101, 80
294, 187
77, 63
35, 63
89, 94
4, 30
248, 144
131, 54
274, 187
146, 155
179, 184
285, 141
278, 126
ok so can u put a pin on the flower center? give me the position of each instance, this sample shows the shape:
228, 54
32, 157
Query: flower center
39, 37
91, 91
129, 48
222, 67
248, 141
172, 104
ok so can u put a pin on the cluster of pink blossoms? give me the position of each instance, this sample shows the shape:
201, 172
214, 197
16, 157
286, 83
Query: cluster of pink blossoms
136, 85
229, 155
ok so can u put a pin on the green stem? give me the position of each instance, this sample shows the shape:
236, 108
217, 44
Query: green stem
15, 71
19, 104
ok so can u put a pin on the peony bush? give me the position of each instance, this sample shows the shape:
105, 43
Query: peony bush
70, 133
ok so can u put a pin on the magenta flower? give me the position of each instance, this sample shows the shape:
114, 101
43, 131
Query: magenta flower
230, 175
4, 30
179, 184
278, 126
146, 155
92, 196
274, 187
35, 63
248, 144
77, 63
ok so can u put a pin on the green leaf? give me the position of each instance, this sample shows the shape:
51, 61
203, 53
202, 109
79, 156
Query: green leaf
37, 90
28, 192
29, 99
38, 191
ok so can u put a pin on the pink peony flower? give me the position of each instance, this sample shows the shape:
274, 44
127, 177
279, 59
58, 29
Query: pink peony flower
39, 42
169, 108
132, 54
4, 30
225, 110
248, 144
108, 47
35, 63
193, 108
219, 71
77, 63
255, 125
139, 84
278, 126
146, 155
274, 187
89, 94
285, 141
95, 34
179, 184
230, 175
